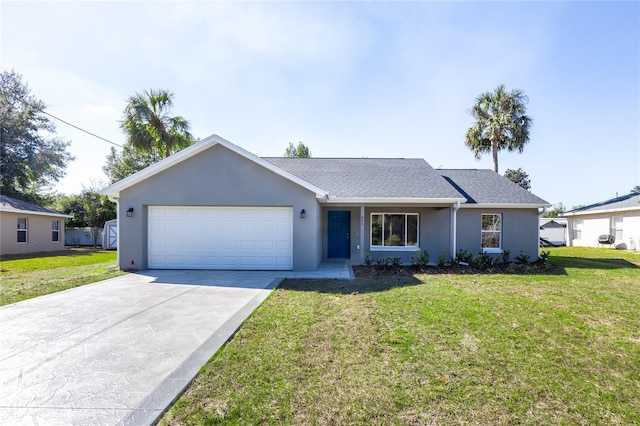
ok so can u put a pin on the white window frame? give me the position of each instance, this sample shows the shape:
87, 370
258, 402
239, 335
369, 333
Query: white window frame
395, 248
25, 230
577, 229
55, 230
617, 223
483, 231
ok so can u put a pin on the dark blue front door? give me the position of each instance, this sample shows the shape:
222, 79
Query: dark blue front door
338, 235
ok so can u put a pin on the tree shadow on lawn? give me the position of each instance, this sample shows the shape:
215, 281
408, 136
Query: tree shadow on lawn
372, 279
592, 263
357, 286
75, 251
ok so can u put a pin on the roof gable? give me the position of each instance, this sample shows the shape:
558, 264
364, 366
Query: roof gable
114, 189
13, 205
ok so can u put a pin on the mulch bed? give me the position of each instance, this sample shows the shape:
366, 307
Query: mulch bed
365, 271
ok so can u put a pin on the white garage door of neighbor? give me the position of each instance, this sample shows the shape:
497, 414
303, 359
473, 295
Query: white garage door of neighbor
252, 238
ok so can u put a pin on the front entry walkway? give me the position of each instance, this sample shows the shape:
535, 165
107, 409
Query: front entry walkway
118, 352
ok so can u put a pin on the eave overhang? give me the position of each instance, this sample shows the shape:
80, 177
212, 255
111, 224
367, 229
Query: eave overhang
502, 206
33, 212
603, 211
391, 200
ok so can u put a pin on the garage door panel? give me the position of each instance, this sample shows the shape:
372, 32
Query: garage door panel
220, 237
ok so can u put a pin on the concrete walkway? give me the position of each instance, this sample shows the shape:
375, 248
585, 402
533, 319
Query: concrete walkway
118, 352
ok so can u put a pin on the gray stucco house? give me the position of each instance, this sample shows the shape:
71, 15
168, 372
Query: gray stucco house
215, 205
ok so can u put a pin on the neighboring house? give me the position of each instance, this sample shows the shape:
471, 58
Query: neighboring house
619, 217
554, 230
28, 228
215, 205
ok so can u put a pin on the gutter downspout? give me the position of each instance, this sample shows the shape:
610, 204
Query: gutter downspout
454, 228
362, 235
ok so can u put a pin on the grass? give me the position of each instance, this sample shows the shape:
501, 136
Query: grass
27, 276
561, 347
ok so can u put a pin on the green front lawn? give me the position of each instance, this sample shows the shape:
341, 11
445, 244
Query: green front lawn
27, 276
559, 347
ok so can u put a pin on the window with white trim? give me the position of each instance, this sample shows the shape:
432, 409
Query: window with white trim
22, 230
395, 231
491, 231
55, 230
616, 228
577, 229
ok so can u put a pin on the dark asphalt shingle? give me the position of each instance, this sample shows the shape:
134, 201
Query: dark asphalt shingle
12, 203
483, 186
369, 177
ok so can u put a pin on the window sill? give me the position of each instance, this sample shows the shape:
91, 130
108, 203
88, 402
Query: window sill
492, 250
395, 248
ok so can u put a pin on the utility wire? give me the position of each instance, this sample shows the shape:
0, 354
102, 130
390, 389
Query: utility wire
81, 129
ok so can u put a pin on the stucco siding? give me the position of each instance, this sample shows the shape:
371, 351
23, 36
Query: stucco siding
594, 225
519, 231
38, 233
217, 177
433, 232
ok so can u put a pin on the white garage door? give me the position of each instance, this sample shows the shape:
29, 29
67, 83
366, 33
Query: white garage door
259, 238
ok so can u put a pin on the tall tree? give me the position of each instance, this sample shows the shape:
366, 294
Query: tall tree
32, 158
554, 211
121, 164
297, 151
501, 123
519, 177
151, 128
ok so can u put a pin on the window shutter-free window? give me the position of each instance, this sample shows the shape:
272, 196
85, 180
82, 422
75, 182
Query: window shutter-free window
616, 228
394, 230
55, 230
577, 229
491, 231
22, 230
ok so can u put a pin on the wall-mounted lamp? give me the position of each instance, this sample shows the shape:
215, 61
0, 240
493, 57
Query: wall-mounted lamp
130, 212
303, 214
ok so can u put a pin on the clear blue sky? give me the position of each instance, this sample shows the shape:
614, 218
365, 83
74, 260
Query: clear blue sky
353, 79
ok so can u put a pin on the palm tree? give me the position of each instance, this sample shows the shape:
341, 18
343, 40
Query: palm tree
501, 123
150, 127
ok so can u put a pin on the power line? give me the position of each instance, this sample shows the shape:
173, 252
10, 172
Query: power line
81, 129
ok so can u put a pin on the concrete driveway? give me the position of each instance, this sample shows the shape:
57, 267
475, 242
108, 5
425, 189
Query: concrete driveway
118, 351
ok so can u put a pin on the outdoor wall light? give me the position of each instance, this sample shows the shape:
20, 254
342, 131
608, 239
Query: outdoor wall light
130, 212
303, 214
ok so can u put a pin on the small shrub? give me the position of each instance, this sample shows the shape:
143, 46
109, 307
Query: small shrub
442, 259
544, 256
522, 257
396, 261
481, 261
384, 263
420, 259
505, 256
367, 259
463, 256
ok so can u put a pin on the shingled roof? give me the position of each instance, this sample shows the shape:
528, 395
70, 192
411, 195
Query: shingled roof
483, 186
8, 204
624, 202
370, 177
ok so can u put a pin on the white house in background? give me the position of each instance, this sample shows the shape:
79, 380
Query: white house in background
554, 230
619, 217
